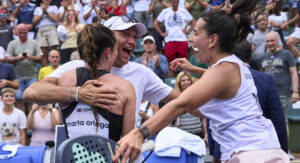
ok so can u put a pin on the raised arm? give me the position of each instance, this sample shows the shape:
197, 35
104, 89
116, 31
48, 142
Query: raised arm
214, 82
294, 77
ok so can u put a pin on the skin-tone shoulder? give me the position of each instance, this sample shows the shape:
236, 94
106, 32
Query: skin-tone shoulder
126, 94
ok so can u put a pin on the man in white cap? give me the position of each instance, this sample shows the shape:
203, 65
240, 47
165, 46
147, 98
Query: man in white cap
156, 62
148, 86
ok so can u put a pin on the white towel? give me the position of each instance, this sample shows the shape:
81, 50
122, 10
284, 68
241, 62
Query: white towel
11, 148
170, 140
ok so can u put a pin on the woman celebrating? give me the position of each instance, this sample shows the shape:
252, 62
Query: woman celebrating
226, 94
73, 28
97, 46
188, 122
42, 120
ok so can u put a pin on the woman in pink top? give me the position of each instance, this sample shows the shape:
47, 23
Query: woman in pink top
42, 121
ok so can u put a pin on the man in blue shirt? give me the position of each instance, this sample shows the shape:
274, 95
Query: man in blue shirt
23, 11
156, 62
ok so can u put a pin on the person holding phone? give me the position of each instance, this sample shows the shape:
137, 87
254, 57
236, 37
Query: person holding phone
24, 54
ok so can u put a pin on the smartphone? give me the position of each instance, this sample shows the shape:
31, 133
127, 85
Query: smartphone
24, 54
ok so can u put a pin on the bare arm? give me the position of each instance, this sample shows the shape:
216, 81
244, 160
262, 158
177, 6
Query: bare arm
203, 4
9, 83
36, 20
47, 90
23, 136
87, 15
189, 5
294, 76
185, 65
54, 118
30, 119
15, 59
156, 25
213, 83
193, 22
151, 7
129, 110
173, 95
34, 58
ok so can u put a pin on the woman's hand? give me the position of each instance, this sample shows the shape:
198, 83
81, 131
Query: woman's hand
130, 146
181, 63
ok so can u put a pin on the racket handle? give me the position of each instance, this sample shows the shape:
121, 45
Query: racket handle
147, 146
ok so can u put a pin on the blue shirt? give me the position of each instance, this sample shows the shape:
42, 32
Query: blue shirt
162, 70
26, 13
7, 72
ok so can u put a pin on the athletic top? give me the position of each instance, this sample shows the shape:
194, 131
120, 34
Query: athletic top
237, 124
81, 120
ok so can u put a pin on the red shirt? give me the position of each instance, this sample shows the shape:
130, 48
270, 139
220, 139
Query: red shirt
117, 11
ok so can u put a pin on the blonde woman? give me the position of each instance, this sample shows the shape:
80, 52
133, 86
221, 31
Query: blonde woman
188, 122
73, 28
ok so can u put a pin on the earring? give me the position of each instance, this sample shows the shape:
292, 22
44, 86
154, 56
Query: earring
209, 46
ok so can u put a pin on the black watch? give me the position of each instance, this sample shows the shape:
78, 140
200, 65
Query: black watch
144, 130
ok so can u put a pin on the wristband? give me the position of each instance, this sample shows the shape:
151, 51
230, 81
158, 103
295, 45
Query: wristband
76, 97
69, 94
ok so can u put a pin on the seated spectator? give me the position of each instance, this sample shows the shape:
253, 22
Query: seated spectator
45, 19
12, 121
23, 12
147, 110
115, 9
156, 62
42, 120
73, 28
53, 58
188, 122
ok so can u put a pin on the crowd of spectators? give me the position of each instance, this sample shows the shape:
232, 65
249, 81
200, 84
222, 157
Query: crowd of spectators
35, 36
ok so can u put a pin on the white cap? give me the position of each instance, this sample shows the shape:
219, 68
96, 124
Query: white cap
62, 33
116, 23
148, 38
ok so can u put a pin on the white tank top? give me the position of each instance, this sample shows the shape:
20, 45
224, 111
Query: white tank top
82, 122
237, 124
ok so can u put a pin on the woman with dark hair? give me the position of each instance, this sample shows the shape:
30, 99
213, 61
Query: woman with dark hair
226, 94
97, 47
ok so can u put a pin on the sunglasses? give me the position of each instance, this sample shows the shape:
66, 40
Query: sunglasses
125, 19
175, 17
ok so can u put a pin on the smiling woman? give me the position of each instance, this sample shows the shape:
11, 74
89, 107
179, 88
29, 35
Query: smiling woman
225, 94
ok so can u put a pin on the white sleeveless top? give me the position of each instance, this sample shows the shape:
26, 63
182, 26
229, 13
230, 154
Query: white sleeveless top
82, 122
237, 124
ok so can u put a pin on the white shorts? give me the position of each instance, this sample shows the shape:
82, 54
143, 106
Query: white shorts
296, 34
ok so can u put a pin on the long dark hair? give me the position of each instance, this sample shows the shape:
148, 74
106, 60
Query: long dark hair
92, 41
231, 28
